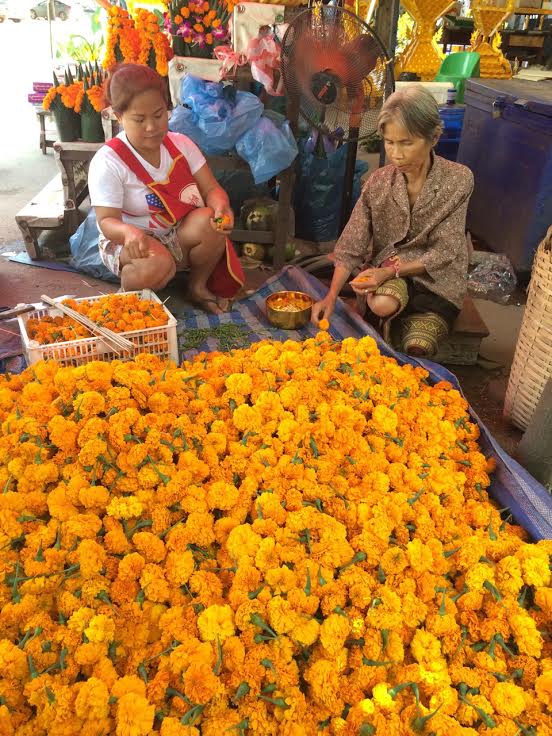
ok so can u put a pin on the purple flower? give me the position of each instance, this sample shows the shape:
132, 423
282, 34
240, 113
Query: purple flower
219, 34
199, 39
184, 29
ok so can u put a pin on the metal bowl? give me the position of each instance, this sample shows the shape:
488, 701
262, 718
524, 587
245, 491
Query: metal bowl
289, 320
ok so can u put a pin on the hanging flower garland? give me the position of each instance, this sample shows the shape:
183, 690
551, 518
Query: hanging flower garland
293, 539
123, 41
155, 49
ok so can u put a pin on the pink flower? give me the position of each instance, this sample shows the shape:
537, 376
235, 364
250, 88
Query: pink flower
184, 29
199, 39
220, 33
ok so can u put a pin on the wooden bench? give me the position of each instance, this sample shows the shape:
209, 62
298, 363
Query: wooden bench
45, 211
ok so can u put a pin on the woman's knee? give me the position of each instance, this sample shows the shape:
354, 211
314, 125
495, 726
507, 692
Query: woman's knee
156, 271
196, 225
383, 305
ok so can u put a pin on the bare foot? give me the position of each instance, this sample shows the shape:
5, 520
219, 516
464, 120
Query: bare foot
209, 302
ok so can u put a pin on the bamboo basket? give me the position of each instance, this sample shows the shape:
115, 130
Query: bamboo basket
532, 365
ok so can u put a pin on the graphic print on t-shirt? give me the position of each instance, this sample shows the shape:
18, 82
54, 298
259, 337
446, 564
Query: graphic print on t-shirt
157, 211
190, 195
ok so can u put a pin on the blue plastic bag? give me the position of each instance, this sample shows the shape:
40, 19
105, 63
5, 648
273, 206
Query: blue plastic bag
85, 251
267, 149
318, 193
213, 118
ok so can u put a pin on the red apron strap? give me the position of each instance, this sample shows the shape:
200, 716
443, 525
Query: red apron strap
171, 147
128, 158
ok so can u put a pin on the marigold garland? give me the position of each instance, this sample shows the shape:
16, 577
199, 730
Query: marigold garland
123, 41
291, 539
152, 42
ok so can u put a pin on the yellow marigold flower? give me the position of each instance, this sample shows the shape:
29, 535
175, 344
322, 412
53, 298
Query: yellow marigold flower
381, 696
91, 557
393, 561
242, 542
222, 495
127, 507
385, 420
100, 629
88, 404
80, 619
334, 631
419, 556
150, 546
507, 699
526, 634
91, 702
543, 688
239, 384
95, 498
216, 623
179, 567
247, 418
306, 632
129, 684
90, 653
200, 683
543, 599
172, 727
134, 716
425, 647
13, 661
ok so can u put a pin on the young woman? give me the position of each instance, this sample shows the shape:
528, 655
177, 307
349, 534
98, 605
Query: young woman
407, 231
158, 206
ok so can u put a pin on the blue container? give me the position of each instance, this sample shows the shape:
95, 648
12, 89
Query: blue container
453, 120
507, 143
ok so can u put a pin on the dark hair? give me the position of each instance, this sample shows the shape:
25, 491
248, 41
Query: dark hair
125, 81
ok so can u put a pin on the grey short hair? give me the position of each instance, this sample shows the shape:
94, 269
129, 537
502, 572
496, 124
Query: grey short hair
416, 109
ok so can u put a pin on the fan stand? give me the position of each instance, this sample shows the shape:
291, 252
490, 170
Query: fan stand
350, 164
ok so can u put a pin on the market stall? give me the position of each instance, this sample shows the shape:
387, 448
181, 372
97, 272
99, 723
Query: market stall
260, 521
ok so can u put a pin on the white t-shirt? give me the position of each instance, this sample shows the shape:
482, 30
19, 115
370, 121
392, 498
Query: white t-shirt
112, 184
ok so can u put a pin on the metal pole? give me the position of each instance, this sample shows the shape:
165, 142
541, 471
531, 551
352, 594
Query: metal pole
49, 13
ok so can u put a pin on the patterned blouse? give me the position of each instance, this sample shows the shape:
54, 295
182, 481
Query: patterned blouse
433, 231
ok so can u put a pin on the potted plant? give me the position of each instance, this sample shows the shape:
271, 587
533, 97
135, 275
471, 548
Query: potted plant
90, 105
61, 100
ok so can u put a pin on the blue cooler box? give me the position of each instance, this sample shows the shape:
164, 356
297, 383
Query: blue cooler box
507, 143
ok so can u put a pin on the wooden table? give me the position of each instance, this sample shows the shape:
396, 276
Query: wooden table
45, 142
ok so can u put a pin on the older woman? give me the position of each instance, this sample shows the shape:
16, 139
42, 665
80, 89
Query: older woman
407, 231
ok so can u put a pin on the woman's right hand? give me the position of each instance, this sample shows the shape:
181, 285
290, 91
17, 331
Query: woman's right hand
137, 243
322, 310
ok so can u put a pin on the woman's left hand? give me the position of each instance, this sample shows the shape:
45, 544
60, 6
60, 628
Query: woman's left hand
369, 280
223, 219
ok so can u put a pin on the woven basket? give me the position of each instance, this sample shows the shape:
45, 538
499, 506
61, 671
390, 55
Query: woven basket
532, 366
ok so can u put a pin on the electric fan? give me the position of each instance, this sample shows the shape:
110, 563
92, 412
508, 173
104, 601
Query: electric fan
337, 72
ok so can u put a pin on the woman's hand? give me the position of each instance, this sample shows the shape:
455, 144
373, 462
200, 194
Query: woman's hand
137, 243
223, 219
369, 280
322, 310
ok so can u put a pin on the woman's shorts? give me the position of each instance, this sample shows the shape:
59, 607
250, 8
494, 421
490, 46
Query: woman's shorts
110, 252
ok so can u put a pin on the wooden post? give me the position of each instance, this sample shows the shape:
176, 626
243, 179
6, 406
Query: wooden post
387, 18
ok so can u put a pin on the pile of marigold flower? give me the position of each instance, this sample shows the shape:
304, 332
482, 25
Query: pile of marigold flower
290, 539
117, 312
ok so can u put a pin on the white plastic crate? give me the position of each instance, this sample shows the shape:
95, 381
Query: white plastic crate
161, 341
